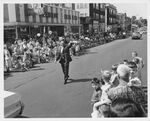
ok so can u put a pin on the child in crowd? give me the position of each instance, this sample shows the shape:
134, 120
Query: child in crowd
125, 62
139, 67
114, 74
133, 79
25, 60
106, 75
139, 61
96, 84
7, 58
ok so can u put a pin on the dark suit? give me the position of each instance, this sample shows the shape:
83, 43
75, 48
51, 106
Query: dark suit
64, 59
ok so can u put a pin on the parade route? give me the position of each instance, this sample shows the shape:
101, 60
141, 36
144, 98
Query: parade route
45, 95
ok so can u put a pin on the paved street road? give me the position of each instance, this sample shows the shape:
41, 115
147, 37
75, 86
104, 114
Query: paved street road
44, 93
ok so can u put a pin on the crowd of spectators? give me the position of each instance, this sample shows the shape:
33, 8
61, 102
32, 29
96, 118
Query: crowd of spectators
118, 92
23, 53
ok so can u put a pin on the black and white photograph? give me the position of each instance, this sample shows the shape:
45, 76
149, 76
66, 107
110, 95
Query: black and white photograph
75, 59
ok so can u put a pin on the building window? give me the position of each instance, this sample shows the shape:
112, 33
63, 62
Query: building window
55, 15
102, 6
65, 16
97, 6
97, 16
86, 5
78, 6
81, 5
94, 6
94, 15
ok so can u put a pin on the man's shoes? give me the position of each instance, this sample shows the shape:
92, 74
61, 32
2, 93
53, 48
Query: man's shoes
67, 77
65, 82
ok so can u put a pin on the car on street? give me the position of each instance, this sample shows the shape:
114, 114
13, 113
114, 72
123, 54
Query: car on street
13, 105
136, 35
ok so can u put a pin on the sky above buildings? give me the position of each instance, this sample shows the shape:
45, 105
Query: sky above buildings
132, 9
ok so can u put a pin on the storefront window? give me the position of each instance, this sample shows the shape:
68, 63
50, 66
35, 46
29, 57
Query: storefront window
23, 32
34, 30
9, 34
97, 16
93, 15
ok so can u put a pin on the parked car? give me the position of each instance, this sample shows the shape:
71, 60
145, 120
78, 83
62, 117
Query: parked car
13, 106
136, 35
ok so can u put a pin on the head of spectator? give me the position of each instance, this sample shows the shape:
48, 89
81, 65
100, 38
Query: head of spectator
106, 75
134, 54
114, 68
96, 83
5, 46
24, 41
125, 62
104, 110
133, 68
121, 107
136, 60
123, 72
60, 38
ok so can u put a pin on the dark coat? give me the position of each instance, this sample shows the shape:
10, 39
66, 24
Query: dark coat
64, 57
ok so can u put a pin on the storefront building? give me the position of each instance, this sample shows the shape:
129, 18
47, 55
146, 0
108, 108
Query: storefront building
21, 20
93, 16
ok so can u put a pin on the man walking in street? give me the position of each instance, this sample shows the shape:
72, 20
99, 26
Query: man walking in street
65, 58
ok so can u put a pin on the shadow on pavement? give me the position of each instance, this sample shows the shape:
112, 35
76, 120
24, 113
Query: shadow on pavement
22, 117
83, 52
78, 80
35, 66
6, 75
36, 69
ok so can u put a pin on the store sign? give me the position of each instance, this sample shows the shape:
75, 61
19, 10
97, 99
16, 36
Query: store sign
95, 22
38, 9
9, 27
23, 29
35, 26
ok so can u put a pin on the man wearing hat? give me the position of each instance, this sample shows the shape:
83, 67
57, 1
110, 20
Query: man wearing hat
65, 58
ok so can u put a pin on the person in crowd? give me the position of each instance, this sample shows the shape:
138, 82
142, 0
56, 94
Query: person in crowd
77, 49
122, 90
25, 44
106, 76
121, 107
102, 112
139, 61
65, 58
114, 74
96, 84
25, 60
125, 62
133, 78
7, 58
139, 68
